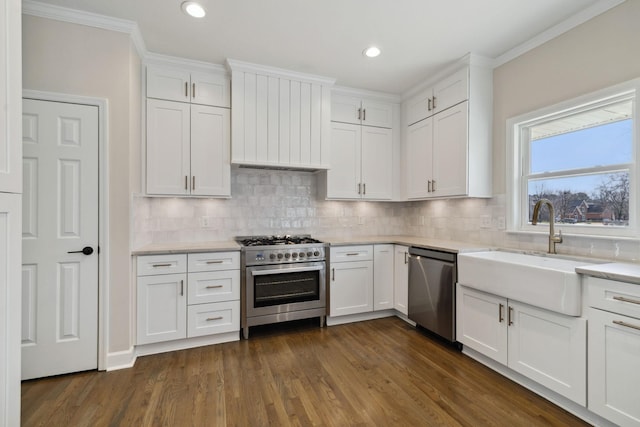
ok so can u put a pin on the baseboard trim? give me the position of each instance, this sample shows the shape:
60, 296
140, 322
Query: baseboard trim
121, 359
350, 318
163, 347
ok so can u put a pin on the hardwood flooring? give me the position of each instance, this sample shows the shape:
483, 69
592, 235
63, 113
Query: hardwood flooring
375, 373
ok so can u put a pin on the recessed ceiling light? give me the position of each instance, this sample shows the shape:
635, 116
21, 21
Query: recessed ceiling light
194, 9
371, 52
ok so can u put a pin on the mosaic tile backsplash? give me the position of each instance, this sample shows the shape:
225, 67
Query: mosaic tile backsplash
286, 202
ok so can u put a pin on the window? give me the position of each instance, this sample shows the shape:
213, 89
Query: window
581, 156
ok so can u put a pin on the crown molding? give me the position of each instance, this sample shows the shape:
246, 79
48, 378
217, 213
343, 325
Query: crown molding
167, 60
557, 30
59, 13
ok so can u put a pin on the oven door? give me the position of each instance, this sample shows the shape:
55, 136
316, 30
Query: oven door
274, 289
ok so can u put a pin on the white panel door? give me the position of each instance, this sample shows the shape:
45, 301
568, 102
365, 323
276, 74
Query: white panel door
343, 179
450, 159
377, 163
210, 162
60, 218
401, 279
419, 159
549, 348
168, 153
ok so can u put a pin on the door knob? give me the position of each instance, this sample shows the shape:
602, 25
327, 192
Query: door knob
87, 250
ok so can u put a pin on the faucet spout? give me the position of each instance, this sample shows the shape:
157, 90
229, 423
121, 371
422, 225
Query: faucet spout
553, 237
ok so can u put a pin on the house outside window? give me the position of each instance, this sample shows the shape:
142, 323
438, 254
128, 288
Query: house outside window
581, 155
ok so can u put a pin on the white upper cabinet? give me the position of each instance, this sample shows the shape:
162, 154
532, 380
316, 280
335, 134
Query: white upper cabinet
10, 97
176, 84
446, 93
448, 147
279, 118
350, 109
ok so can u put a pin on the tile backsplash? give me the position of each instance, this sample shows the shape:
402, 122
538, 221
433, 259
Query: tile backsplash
285, 202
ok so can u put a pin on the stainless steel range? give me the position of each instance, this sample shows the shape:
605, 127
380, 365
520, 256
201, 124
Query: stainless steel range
283, 278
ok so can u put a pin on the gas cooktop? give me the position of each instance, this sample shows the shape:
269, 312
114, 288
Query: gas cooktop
276, 240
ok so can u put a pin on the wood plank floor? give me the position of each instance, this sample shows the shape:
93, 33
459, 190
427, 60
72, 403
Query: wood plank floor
375, 373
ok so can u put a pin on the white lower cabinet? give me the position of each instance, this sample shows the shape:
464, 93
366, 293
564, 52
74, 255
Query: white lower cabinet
175, 303
351, 280
383, 256
547, 347
401, 279
614, 350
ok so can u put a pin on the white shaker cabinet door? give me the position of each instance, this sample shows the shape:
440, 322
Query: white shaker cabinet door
451, 91
481, 322
210, 89
401, 279
168, 83
351, 289
378, 114
450, 160
419, 159
343, 179
346, 109
210, 161
168, 152
162, 308
614, 367
383, 277
376, 163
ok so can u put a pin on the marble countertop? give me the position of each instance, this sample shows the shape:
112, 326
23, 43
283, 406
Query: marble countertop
230, 245
618, 271
172, 248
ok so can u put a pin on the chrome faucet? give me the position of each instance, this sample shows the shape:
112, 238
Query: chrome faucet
553, 238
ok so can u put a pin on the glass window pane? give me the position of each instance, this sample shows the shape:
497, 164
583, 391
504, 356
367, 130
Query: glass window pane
601, 145
598, 199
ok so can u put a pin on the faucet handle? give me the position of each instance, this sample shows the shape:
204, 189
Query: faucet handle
558, 238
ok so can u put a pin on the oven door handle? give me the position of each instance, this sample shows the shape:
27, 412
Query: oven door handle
287, 270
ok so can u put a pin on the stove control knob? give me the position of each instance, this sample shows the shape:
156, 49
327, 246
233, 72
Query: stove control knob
272, 256
309, 254
316, 253
294, 255
280, 256
301, 254
287, 255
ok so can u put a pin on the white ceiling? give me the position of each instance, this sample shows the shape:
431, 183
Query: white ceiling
327, 37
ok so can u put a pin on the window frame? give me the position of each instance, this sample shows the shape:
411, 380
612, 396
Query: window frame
517, 160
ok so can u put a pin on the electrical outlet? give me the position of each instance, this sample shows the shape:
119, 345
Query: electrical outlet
485, 221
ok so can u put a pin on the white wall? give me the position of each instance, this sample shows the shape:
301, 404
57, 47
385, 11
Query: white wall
81, 60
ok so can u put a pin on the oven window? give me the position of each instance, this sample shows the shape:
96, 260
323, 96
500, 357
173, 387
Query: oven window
286, 288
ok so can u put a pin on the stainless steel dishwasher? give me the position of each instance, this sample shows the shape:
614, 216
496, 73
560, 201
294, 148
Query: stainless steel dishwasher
432, 279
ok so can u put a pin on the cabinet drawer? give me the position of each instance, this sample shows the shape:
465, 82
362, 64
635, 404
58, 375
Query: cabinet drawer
212, 261
617, 297
213, 286
352, 253
162, 264
214, 318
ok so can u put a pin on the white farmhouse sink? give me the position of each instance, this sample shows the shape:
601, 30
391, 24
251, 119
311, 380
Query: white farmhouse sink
538, 280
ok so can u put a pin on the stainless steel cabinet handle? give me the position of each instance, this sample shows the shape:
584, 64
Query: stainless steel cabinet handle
161, 265
406, 260
429, 186
186, 89
627, 325
359, 188
359, 113
186, 182
193, 182
500, 313
429, 105
510, 316
364, 114
433, 185
364, 188
214, 286
623, 299
352, 254
181, 287
434, 102
333, 274
215, 261
209, 319
193, 90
